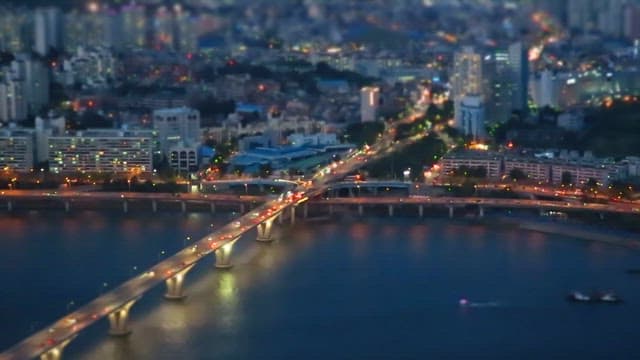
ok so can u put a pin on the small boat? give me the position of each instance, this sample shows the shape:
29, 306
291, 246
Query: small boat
577, 296
609, 297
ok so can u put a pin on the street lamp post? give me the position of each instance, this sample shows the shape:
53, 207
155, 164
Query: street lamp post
129, 184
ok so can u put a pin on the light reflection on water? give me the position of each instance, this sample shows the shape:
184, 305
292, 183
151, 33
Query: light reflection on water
340, 284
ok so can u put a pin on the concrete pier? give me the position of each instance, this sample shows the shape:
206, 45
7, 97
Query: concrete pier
174, 285
119, 320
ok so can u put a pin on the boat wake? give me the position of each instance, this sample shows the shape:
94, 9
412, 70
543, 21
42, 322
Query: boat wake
487, 304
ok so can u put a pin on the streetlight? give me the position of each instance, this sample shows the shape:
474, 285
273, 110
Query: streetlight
246, 189
129, 184
70, 304
184, 241
161, 254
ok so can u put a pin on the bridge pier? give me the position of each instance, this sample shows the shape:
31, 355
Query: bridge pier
390, 208
241, 208
450, 212
480, 212
330, 210
174, 284
293, 215
125, 206
183, 206
154, 206
305, 210
213, 207
360, 210
223, 255
56, 352
421, 210
9, 206
264, 230
280, 218
67, 206
119, 320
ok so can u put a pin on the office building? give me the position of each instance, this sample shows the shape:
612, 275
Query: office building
177, 127
519, 63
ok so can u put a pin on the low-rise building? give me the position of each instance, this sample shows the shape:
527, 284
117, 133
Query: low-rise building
489, 160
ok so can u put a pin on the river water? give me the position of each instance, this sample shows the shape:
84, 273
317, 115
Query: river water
375, 288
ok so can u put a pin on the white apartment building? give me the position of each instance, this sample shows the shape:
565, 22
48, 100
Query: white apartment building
111, 151
17, 149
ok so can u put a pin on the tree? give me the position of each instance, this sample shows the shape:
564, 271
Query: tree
566, 179
265, 170
517, 174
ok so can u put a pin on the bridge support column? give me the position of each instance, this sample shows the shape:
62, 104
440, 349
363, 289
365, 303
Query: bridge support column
183, 206
56, 352
360, 210
541, 212
281, 218
330, 209
450, 212
174, 285
241, 208
119, 320
293, 215
305, 210
264, 230
390, 208
421, 210
351, 194
601, 216
213, 207
223, 255
67, 206
480, 212
125, 206
154, 206
9, 206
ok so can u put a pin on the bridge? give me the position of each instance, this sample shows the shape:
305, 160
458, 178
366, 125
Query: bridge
452, 203
115, 305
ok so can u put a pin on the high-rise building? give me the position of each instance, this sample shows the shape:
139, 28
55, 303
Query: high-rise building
369, 102
35, 78
519, 62
13, 106
499, 87
470, 116
631, 29
467, 73
177, 126
544, 89
48, 30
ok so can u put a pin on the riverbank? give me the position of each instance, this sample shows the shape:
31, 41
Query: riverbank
570, 229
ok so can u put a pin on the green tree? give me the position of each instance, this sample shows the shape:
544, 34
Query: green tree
517, 174
566, 179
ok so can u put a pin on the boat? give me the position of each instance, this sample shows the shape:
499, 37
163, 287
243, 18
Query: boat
577, 296
609, 297
596, 297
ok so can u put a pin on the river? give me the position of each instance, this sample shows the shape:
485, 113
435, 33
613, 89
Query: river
375, 288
